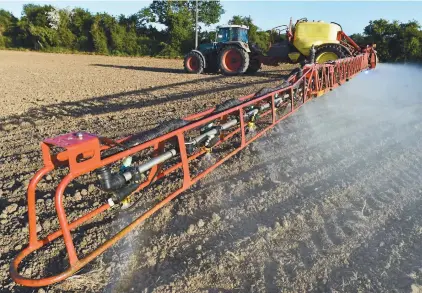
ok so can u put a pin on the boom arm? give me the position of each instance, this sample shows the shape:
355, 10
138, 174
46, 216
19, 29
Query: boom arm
171, 147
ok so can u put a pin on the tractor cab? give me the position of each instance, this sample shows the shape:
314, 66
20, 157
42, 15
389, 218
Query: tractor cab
226, 34
232, 33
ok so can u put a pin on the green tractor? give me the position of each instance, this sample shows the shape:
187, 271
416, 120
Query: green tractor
229, 53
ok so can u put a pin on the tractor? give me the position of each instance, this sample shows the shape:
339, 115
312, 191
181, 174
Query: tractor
305, 42
228, 53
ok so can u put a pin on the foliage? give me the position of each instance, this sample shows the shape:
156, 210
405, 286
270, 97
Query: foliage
43, 27
396, 42
7, 25
180, 31
99, 38
209, 11
179, 18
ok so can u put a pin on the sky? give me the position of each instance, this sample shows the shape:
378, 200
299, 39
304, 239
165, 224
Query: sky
353, 15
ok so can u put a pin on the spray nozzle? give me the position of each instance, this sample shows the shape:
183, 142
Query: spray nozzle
126, 203
251, 126
126, 164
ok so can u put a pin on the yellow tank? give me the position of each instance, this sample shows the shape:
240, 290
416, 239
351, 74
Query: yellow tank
307, 34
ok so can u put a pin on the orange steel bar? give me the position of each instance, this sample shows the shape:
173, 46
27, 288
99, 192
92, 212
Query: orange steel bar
316, 78
32, 218
61, 214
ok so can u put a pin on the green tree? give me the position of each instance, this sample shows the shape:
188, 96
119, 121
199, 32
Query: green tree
7, 26
395, 41
67, 38
359, 39
179, 19
99, 36
412, 36
209, 11
34, 29
80, 26
180, 32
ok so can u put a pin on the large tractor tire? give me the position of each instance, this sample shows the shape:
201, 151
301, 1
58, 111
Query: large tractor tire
329, 52
254, 65
373, 60
233, 60
193, 63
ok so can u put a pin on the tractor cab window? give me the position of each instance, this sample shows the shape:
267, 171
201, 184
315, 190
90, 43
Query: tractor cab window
223, 35
236, 34
239, 35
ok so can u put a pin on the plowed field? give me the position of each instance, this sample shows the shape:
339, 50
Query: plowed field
328, 201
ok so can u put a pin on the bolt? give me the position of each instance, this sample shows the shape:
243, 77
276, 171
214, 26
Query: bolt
79, 135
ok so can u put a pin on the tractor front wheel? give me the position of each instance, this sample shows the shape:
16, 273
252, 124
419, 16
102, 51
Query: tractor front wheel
193, 63
233, 60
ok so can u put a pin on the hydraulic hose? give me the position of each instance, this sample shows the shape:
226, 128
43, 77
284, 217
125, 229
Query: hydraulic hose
125, 183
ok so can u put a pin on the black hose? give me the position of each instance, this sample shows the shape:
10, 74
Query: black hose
158, 131
338, 25
108, 180
121, 194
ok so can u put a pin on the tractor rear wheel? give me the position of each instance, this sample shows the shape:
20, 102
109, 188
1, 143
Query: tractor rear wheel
329, 52
233, 60
193, 63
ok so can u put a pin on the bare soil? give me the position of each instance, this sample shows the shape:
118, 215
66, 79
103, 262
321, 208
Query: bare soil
329, 201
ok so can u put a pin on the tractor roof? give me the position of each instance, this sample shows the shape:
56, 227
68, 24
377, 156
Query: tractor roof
233, 25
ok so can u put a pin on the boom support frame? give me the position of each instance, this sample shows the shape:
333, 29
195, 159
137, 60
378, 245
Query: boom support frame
83, 153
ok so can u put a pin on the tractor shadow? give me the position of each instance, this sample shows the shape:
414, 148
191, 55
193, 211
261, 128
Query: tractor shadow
122, 101
142, 68
267, 73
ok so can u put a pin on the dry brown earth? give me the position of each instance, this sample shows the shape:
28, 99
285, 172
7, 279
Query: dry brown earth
330, 201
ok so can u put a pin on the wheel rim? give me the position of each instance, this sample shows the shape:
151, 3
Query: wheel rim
192, 63
232, 60
326, 56
373, 60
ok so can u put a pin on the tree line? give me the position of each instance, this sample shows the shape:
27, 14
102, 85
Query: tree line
46, 28
395, 41
43, 27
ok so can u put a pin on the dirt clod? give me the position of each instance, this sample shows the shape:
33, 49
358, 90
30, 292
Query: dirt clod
46, 225
78, 196
215, 217
9, 184
191, 229
304, 209
91, 188
201, 223
11, 208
